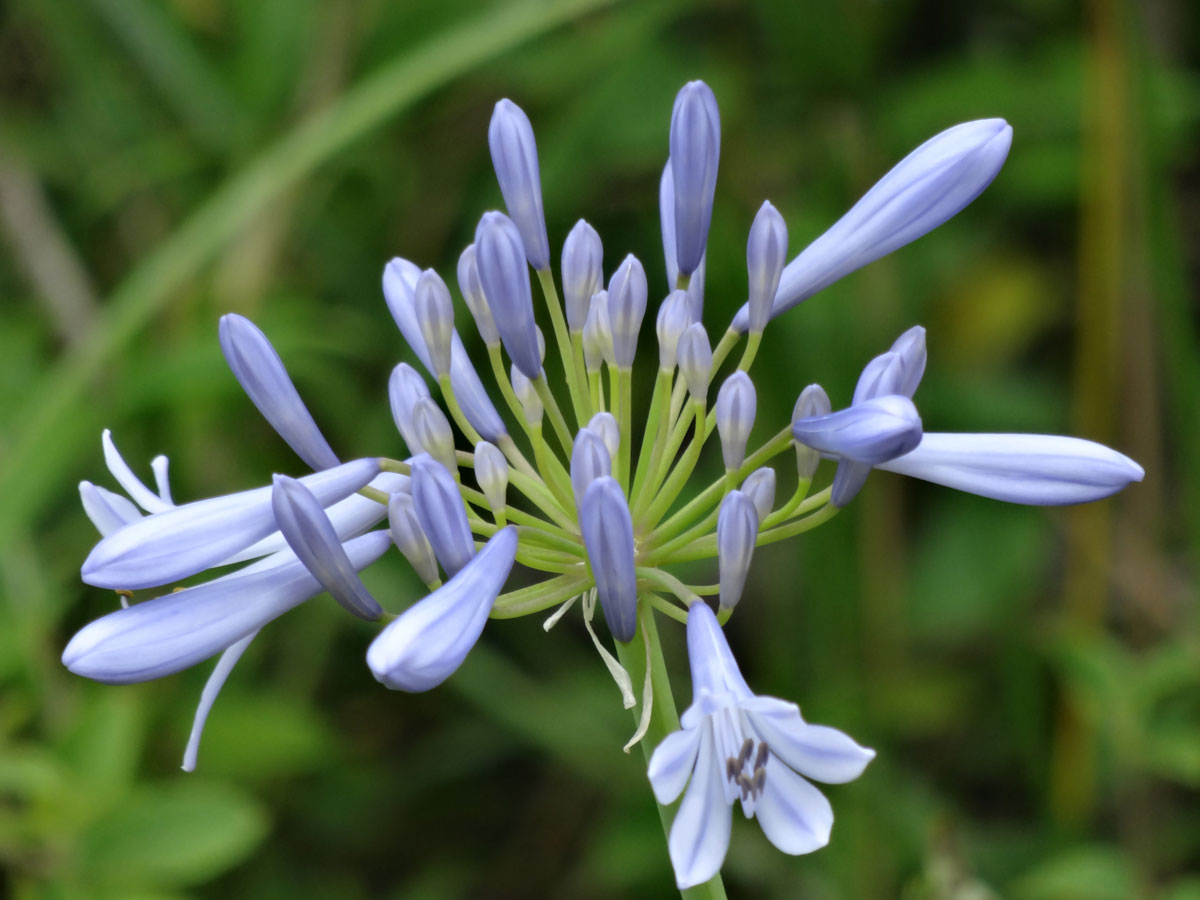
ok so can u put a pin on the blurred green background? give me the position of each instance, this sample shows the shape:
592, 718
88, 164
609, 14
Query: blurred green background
1030, 677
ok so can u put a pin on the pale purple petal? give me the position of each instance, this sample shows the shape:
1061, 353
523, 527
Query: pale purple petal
1036, 469
699, 835
815, 751
672, 762
794, 815
187, 539
870, 432
607, 528
430, 640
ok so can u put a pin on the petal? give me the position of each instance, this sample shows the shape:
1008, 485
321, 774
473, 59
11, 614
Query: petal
109, 512
430, 640
700, 833
816, 751
212, 688
794, 815
169, 633
607, 527
714, 670
1037, 469
187, 539
870, 432
672, 762
142, 495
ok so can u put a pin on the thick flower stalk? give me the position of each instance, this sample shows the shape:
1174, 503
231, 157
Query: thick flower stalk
589, 500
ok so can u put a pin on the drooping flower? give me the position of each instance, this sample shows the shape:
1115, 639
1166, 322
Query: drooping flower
737, 746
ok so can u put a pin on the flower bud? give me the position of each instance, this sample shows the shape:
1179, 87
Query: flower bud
405, 388
607, 528
694, 354
666, 209
925, 189
695, 149
399, 282
736, 406
491, 471
261, 373
409, 538
582, 272
626, 308
432, 431
472, 291
504, 276
674, 315
604, 424
759, 486
435, 316
312, 538
427, 643
910, 350
870, 432
443, 515
590, 460
812, 402
737, 533
527, 396
766, 251
515, 158
597, 333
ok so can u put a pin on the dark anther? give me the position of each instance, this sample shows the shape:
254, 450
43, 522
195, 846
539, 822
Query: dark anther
760, 758
746, 785
732, 767
744, 756
760, 781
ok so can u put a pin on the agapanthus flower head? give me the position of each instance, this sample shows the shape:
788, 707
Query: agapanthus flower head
597, 486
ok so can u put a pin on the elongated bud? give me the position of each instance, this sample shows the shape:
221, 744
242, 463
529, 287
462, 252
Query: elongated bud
515, 158
433, 432
812, 403
695, 360
925, 189
881, 377
186, 539
695, 150
759, 486
430, 640
626, 308
405, 388
870, 432
766, 251
597, 333
1036, 469
736, 406
666, 209
590, 460
674, 315
399, 283
607, 528
505, 279
409, 538
312, 538
527, 396
910, 351
472, 292
170, 633
261, 373
582, 272
435, 315
737, 532
604, 424
441, 512
491, 471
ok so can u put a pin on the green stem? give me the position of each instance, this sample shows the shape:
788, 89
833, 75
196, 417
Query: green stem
663, 717
572, 363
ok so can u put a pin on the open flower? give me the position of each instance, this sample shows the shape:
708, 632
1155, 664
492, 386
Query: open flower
735, 745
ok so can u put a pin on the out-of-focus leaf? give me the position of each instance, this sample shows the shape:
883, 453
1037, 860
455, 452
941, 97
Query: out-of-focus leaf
174, 834
1082, 873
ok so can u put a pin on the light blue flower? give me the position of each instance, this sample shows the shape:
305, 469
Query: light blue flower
924, 189
430, 640
442, 514
1036, 469
735, 745
695, 143
504, 275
